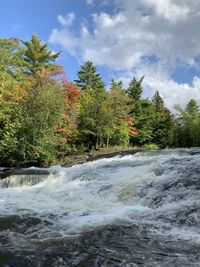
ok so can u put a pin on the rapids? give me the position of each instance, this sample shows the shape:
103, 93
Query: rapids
135, 210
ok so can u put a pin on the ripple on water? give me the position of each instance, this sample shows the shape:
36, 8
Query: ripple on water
140, 210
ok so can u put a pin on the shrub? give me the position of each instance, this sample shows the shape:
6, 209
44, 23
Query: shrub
151, 146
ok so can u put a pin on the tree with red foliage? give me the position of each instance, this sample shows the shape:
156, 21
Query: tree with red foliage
68, 127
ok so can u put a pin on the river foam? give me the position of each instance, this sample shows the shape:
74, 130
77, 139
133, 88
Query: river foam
158, 191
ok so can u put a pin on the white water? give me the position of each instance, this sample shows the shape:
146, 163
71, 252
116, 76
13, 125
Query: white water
85, 195
73, 200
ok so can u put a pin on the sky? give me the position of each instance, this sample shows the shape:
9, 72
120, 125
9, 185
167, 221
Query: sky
123, 38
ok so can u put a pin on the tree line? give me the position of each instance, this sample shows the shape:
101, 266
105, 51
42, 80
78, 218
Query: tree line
44, 117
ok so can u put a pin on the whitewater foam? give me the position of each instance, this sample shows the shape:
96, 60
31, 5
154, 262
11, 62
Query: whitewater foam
132, 189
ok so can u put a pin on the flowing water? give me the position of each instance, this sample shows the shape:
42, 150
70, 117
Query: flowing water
135, 210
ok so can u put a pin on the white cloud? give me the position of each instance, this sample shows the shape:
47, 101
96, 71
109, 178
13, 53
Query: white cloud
104, 20
158, 79
140, 29
66, 20
168, 29
68, 40
168, 10
171, 91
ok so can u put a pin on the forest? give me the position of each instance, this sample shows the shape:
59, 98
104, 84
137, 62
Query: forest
45, 118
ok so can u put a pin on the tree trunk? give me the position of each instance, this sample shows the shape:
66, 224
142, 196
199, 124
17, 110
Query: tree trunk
107, 142
97, 143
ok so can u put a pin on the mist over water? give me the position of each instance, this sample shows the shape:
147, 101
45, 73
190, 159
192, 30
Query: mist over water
136, 210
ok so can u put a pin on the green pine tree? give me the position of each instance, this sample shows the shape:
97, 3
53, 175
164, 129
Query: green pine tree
116, 85
38, 55
162, 122
134, 90
88, 78
188, 125
192, 107
92, 112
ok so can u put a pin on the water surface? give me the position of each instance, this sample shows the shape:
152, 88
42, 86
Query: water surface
135, 210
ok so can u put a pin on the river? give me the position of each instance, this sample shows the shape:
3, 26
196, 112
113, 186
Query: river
134, 210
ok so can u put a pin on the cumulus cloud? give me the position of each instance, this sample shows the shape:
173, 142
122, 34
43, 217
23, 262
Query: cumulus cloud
167, 30
168, 10
173, 92
66, 20
157, 78
68, 40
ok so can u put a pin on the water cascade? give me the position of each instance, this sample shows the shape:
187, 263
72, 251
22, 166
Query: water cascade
135, 210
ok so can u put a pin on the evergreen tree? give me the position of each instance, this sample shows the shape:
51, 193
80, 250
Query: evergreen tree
158, 102
188, 125
116, 85
143, 116
162, 122
192, 107
92, 114
38, 55
134, 90
141, 112
88, 78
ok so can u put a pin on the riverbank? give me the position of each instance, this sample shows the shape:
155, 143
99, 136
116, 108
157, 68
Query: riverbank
98, 154
70, 161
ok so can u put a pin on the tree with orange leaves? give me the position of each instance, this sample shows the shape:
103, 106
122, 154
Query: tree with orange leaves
67, 129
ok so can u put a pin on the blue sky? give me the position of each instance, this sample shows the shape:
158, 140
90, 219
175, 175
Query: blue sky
21, 18
124, 38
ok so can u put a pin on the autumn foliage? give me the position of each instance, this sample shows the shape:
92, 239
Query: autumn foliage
44, 117
68, 126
